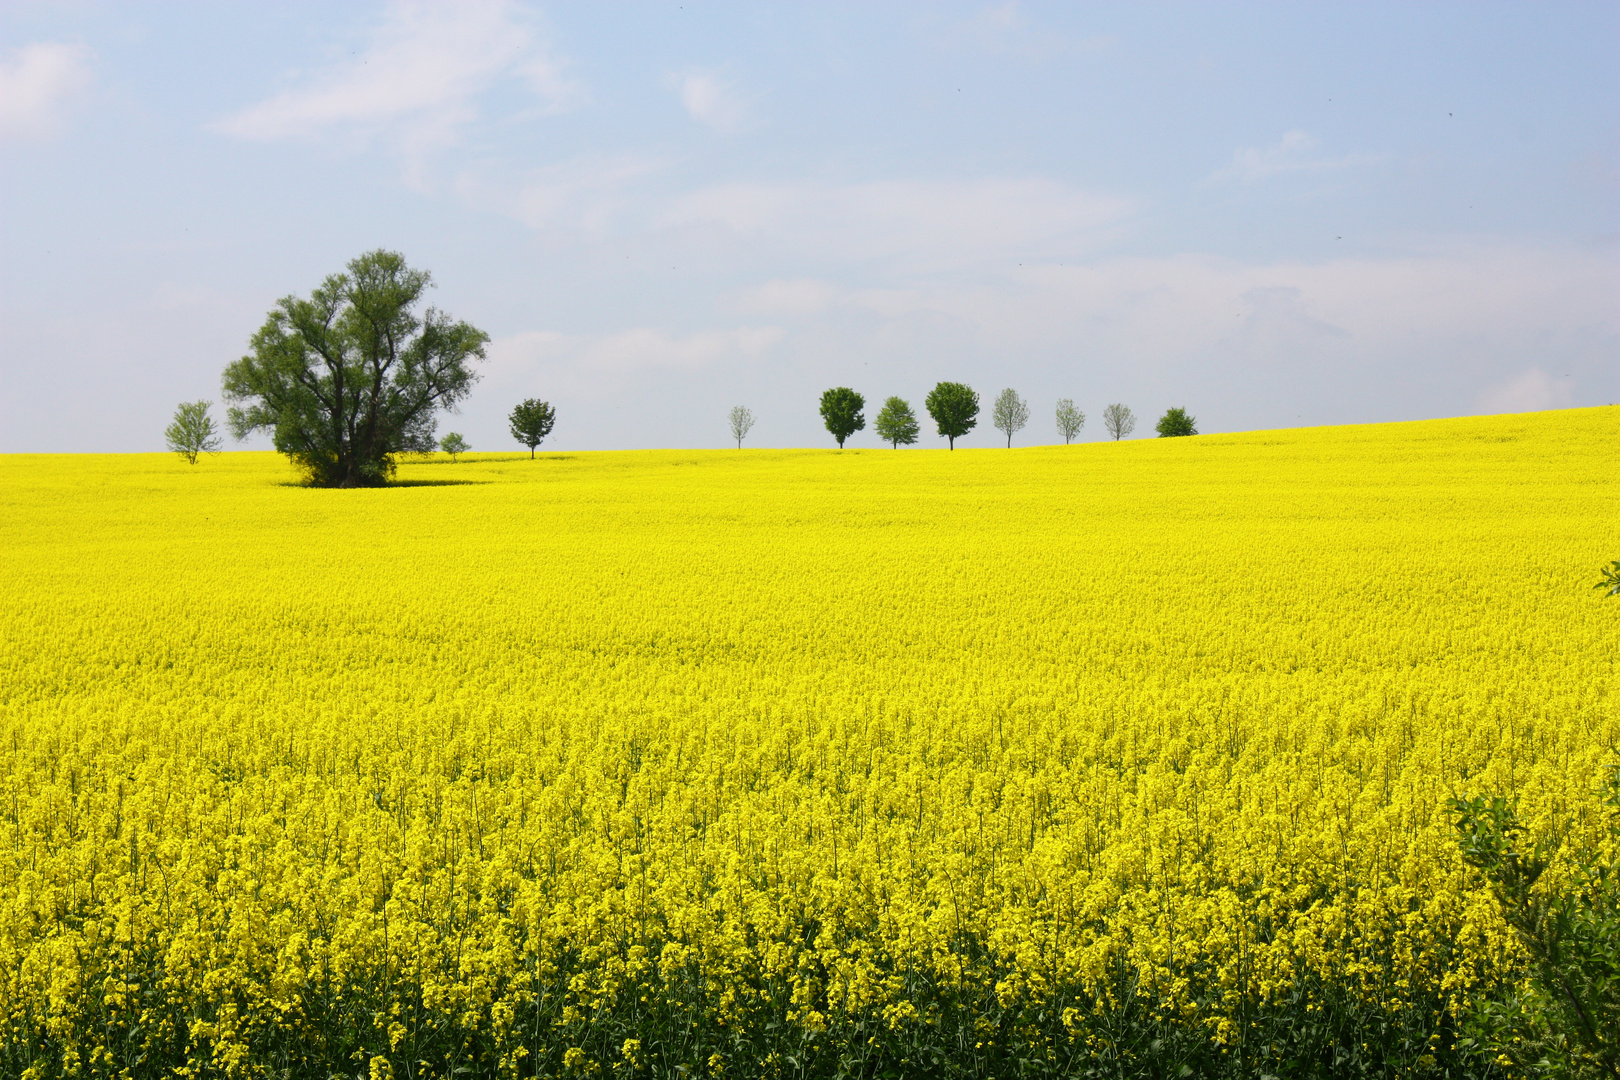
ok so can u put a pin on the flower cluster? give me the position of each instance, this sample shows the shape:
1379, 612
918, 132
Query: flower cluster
680, 763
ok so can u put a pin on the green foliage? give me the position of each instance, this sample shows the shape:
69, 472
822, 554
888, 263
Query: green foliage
351, 377
841, 411
192, 431
531, 421
896, 424
1563, 1018
1119, 420
1175, 422
1010, 413
454, 445
1611, 579
955, 409
1069, 420
671, 1019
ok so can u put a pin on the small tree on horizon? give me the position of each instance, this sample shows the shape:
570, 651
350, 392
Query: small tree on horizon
454, 445
1069, 420
742, 421
1010, 413
896, 423
531, 421
192, 431
1119, 420
1175, 422
955, 409
841, 411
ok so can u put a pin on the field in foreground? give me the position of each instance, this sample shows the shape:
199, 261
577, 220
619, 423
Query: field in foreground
1118, 757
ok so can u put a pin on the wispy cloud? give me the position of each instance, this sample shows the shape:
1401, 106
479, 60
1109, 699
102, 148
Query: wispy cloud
785, 296
1293, 153
418, 80
591, 365
39, 85
710, 100
591, 194
1530, 391
918, 222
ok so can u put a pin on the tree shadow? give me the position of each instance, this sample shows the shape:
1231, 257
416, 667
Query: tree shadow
384, 487
433, 483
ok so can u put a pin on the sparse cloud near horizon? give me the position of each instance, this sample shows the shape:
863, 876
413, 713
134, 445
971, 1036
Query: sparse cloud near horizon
1531, 391
1295, 152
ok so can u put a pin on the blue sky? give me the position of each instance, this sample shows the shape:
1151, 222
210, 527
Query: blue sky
1274, 216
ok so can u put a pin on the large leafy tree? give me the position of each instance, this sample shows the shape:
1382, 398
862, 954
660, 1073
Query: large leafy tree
841, 409
955, 409
352, 376
531, 421
896, 423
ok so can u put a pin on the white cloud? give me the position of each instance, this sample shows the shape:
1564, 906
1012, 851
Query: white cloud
1291, 154
40, 84
786, 296
1532, 391
933, 223
418, 80
710, 100
588, 364
586, 193
1184, 304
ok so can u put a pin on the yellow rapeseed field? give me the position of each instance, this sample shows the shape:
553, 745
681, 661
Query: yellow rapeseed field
785, 762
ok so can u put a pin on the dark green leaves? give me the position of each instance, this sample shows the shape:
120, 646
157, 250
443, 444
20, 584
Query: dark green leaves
841, 411
531, 421
350, 377
1176, 422
955, 409
1565, 1021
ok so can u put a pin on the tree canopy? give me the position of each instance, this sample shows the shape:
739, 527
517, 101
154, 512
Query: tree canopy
841, 410
1010, 413
192, 431
531, 421
896, 423
454, 444
1119, 420
351, 377
1174, 422
742, 422
1069, 420
955, 409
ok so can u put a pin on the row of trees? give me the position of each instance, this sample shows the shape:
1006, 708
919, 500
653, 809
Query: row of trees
349, 378
954, 408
